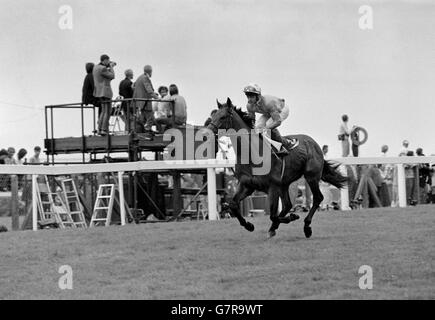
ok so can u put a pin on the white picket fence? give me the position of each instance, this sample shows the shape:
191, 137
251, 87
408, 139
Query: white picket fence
209, 164
398, 161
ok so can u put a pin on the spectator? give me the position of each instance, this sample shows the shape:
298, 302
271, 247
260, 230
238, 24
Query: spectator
325, 188
163, 91
432, 184
355, 139
10, 157
424, 179
3, 178
410, 181
404, 150
126, 91
20, 156
35, 159
179, 109
384, 150
387, 173
162, 109
103, 74
143, 89
325, 150
3, 156
382, 189
88, 87
343, 135
21, 161
208, 121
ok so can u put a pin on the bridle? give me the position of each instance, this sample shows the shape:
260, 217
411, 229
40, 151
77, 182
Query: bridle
227, 123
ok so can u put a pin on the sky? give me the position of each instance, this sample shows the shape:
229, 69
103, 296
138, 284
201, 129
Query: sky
311, 53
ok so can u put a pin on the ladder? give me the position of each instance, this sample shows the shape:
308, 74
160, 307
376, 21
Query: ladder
73, 204
49, 213
63, 216
118, 202
103, 206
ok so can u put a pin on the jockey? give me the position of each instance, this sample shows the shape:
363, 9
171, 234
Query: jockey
273, 111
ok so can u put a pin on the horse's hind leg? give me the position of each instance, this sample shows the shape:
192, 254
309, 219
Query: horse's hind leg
317, 199
273, 202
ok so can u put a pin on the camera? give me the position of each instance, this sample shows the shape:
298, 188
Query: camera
112, 63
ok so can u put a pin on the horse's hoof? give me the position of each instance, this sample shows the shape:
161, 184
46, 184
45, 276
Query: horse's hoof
290, 218
285, 220
308, 232
249, 226
293, 217
272, 233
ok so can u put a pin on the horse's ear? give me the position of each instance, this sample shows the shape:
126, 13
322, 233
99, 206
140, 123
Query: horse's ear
218, 104
229, 103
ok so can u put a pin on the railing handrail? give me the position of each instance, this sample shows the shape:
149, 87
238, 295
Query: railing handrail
182, 164
385, 160
80, 104
113, 167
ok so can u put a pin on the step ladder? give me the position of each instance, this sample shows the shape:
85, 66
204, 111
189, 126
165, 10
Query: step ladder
49, 212
64, 219
102, 214
117, 200
73, 204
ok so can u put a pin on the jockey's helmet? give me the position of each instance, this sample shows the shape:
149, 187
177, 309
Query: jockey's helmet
252, 88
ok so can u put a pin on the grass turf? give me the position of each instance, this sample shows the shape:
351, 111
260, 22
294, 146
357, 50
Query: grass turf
221, 260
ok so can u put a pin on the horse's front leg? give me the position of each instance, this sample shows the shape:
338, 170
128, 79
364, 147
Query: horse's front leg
274, 194
242, 192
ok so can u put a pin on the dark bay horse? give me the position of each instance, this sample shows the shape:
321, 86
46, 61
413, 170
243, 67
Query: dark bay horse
306, 159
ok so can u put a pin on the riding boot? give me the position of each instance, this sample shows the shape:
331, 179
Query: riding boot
276, 136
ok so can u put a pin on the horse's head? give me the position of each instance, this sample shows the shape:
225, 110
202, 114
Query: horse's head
223, 118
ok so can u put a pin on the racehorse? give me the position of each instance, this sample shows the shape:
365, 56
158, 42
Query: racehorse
305, 159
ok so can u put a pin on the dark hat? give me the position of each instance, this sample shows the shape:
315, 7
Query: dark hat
104, 57
3, 152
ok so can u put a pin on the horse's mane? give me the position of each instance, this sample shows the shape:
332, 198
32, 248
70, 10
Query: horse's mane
247, 119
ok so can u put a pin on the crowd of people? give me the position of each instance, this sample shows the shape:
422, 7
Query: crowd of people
11, 157
420, 179
168, 108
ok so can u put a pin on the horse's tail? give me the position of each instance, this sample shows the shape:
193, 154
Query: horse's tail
331, 175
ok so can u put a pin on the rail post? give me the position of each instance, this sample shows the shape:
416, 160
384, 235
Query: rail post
211, 192
344, 192
14, 203
401, 185
121, 197
34, 203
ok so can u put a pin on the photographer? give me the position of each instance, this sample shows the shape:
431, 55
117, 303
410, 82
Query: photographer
103, 74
